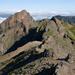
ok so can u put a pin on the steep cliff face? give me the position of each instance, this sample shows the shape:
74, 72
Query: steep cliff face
13, 28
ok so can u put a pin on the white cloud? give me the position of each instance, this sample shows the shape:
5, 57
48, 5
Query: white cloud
41, 15
2, 19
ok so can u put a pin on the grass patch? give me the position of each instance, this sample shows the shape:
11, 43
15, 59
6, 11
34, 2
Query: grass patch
71, 33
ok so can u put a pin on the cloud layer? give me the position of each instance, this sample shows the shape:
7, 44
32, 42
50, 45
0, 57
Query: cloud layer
3, 16
39, 15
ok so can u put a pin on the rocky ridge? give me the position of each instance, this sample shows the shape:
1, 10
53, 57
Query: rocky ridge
44, 47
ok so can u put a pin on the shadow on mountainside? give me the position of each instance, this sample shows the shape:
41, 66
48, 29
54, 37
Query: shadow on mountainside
48, 71
33, 35
21, 61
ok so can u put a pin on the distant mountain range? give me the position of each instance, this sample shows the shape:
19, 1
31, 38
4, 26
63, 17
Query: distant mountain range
69, 19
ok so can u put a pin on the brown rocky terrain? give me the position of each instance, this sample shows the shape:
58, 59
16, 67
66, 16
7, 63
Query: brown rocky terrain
13, 28
43, 47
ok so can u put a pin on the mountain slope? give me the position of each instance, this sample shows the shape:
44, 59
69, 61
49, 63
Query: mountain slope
46, 47
13, 28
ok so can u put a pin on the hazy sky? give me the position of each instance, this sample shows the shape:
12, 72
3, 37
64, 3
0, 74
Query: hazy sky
37, 8
33, 6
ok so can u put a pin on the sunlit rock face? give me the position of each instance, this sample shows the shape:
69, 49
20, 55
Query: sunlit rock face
13, 28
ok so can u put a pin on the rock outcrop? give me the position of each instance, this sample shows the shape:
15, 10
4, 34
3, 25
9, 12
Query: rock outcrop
13, 28
47, 46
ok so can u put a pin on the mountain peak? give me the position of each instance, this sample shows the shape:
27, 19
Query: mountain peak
23, 11
56, 20
19, 25
22, 15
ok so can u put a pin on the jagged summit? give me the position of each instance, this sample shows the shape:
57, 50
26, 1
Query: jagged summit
22, 15
13, 28
23, 12
56, 20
